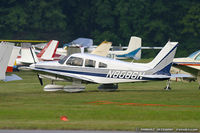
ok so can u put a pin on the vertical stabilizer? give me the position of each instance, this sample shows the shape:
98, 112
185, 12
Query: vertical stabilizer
134, 44
161, 64
49, 50
102, 49
13, 57
5, 53
26, 54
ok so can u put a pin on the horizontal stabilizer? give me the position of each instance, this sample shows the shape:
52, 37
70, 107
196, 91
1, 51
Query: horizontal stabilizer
13, 77
181, 76
156, 76
166, 76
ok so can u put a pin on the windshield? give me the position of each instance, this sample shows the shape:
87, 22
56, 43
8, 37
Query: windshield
62, 61
197, 57
193, 54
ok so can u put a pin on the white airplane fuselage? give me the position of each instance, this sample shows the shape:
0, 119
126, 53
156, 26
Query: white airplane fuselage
192, 61
98, 69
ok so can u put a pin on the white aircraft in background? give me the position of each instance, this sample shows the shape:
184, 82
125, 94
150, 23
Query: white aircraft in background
46, 54
7, 55
13, 57
109, 72
133, 50
190, 64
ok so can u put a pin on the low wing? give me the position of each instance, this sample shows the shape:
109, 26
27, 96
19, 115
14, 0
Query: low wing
186, 68
62, 75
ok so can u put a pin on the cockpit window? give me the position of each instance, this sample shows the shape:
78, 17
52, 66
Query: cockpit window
62, 61
90, 63
198, 57
193, 54
75, 61
102, 65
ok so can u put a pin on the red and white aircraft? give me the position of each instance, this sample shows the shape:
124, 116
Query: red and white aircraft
48, 53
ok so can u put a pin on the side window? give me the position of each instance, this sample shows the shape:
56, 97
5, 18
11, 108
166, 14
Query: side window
198, 57
62, 61
90, 63
75, 61
102, 65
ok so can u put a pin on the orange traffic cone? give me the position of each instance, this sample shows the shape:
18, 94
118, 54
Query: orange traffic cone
64, 118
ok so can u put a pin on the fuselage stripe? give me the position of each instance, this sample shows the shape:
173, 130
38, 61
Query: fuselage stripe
75, 72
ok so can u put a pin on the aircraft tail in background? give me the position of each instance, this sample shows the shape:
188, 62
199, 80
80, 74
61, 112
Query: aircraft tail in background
13, 57
133, 50
49, 51
102, 49
5, 53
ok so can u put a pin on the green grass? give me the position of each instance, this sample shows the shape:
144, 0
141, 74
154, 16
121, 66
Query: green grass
24, 105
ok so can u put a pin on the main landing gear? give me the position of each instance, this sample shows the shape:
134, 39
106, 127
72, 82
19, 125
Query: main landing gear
108, 87
168, 85
75, 87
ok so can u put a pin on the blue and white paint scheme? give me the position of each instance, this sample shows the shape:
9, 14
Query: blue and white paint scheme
102, 70
133, 50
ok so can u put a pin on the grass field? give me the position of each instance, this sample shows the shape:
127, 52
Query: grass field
24, 105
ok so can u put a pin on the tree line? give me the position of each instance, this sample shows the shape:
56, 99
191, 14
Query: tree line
155, 21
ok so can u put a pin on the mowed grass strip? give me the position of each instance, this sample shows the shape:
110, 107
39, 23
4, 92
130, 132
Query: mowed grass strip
24, 105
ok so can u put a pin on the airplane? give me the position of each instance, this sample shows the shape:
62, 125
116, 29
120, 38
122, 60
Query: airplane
13, 57
82, 43
7, 52
190, 64
102, 49
87, 68
133, 50
47, 53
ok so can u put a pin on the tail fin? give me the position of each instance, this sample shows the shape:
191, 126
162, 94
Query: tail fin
13, 57
161, 64
135, 43
49, 51
102, 49
5, 53
26, 54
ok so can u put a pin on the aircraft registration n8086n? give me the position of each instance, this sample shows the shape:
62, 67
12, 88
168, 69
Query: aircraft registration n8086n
81, 67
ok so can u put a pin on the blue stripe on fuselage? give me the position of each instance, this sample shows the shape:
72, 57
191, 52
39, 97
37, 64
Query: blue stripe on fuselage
75, 72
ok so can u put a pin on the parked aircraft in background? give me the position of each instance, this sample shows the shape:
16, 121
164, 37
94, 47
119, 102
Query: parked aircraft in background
47, 53
13, 57
190, 64
6, 49
133, 50
82, 43
109, 72
102, 49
